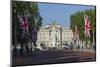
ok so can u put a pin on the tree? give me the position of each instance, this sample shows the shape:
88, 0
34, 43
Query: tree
77, 19
30, 9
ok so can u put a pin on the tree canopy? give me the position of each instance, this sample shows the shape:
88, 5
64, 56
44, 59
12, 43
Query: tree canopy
31, 10
77, 19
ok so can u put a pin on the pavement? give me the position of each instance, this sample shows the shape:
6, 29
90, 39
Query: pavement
54, 57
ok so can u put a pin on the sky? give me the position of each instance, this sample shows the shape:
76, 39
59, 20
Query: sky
59, 12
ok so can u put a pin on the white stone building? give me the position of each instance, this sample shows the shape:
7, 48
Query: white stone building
53, 35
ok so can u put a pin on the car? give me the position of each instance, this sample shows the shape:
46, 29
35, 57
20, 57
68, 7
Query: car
66, 47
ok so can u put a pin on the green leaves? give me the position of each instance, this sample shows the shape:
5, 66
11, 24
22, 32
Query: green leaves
30, 9
77, 19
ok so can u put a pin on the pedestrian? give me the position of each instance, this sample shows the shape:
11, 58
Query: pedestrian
18, 49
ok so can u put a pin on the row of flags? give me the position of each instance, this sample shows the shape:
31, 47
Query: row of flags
86, 27
24, 25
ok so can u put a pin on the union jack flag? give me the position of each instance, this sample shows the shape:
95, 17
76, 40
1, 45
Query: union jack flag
24, 24
87, 26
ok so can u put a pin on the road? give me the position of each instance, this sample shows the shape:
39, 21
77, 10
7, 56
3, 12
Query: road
54, 57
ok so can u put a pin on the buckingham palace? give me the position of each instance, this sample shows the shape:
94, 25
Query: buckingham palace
54, 36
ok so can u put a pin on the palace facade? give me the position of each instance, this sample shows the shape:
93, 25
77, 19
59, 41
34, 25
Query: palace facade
53, 35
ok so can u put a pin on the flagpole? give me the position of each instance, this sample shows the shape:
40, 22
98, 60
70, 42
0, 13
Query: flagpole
26, 33
15, 35
93, 38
